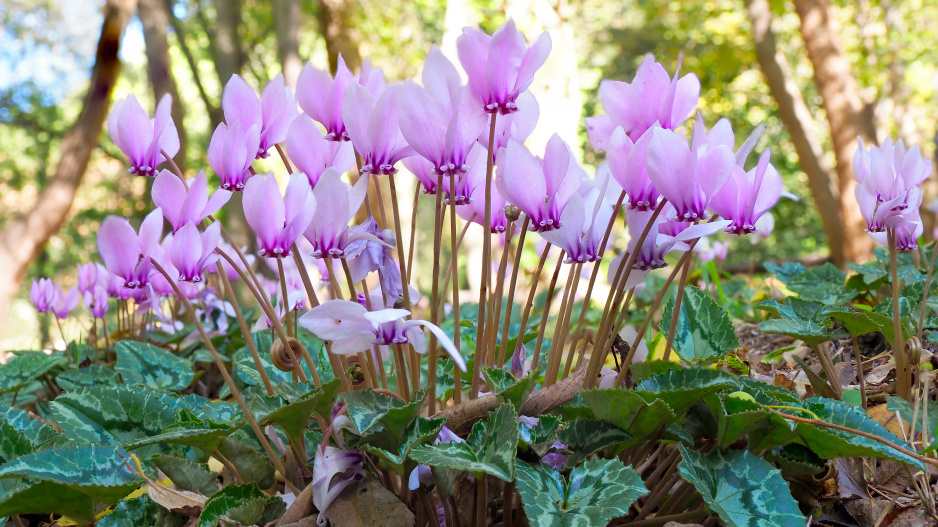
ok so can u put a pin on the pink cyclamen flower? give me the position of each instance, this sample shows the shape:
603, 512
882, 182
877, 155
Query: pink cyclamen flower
652, 97
273, 112
42, 294
126, 253
336, 205
907, 233
890, 169
441, 120
181, 206
334, 469
91, 274
746, 196
555, 458
627, 164
192, 251
422, 475
583, 224
231, 153
321, 96
518, 125
501, 66
313, 154
373, 127
278, 220
425, 173
540, 188
377, 255
881, 214
352, 328
472, 185
141, 139
64, 302
687, 178
96, 301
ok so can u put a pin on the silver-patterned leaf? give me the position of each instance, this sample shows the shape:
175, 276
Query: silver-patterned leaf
141, 363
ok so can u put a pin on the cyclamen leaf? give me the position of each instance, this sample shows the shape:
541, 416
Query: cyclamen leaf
87, 377
141, 512
823, 284
22, 368
13, 443
141, 363
67, 480
251, 464
745, 490
596, 492
245, 504
629, 411
293, 416
39, 434
490, 448
805, 330
680, 389
187, 474
394, 450
368, 408
585, 436
898, 404
830, 443
704, 330
786, 271
507, 389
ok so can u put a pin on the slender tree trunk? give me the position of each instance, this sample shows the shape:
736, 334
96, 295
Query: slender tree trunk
337, 24
287, 16
155, 19
801, 127
847, 115
214, 112
23, 238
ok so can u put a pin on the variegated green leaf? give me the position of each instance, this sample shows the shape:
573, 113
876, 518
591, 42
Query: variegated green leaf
24, 367
507, 388
245, 504
585, 436
704, 331
141, 363
393, 450
294, 415
246, 369
251, 464
87, 377
830, 443
744, 490
596, 492
367, 409
141, 512
490, 448
629, 411
187, 474
680, 389
67, 480
39, 434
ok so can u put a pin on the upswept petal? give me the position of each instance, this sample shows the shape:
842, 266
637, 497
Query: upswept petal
117, 245
534, 58
423, 123
440, 78
521, 180
240, 102
169, 193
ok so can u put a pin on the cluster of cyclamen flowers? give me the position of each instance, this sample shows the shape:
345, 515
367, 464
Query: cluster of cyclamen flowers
888, 191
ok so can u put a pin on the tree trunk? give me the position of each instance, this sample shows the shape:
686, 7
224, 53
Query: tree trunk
229, 57
337, 25
847, 115
287, 15
155, 19
23, 238
801, 127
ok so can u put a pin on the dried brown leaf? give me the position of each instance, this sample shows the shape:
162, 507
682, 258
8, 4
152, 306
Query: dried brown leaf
369, 504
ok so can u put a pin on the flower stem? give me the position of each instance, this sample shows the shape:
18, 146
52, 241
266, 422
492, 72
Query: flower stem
516, 266
546, 311
676, 312
486, 253
435, 310
931, 267
903, 386
401, 260
243, 325
560, 330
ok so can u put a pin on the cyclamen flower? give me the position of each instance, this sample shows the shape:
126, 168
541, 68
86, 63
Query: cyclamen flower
278, 220
441, 121
127, 254
890, 170
709, 253
687, 178
882, 214
501, 66
746, 196
64, 302
272, 113
97, 301
337, 202
907, 233
373, 127
321, 96
556, 459
313, 154
181, 206
231, 153
90, 275
518, 125
378, 255
652, 97
192, 252
541, 189
583, 224
352, 328
425, 173
722, 134
141, 139
627, 164
333, 470
472, 185
42, 294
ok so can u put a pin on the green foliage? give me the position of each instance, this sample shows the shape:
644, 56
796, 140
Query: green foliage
141, 512
244, 504
743, 489
507, 388
141, 363
187, 474
704, 331
87, 377
595, 492
490, 448
25, 367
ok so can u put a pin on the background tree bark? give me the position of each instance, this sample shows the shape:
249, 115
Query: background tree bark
337, 24
287, 16
847, 115
22, 239
800, 126
155, 19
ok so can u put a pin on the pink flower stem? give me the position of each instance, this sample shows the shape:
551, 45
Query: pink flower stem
413, 230
903, 385
515, 268
495, 301
676, 312
245, 331
435, 301
486, 258
560, 327
544, 313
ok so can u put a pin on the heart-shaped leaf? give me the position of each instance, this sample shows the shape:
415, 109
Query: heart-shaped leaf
245, 504
141, 512
704, 331
24, 367
141, 363
87, 377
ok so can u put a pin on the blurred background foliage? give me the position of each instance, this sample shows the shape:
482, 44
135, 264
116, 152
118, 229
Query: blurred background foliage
47, 48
